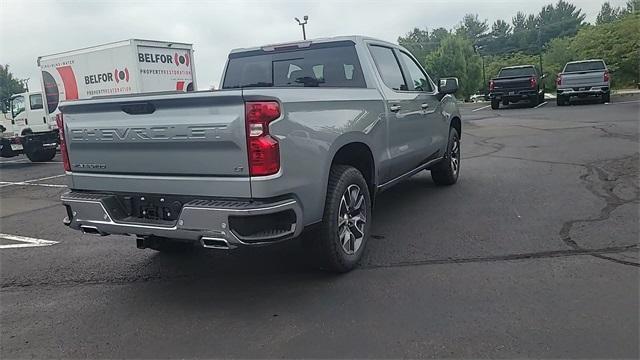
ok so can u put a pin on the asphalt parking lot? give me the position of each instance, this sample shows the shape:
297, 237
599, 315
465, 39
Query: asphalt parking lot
534, 253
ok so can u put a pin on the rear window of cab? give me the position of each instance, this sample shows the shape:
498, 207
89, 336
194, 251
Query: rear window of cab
319, 65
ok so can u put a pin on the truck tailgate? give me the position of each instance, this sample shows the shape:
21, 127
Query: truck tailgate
179, 135
504, 84
586, 78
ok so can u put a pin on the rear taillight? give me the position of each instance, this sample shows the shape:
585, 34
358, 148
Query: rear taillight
63, 143
533, 82
492, 85
559, 79
264, 150
606, 76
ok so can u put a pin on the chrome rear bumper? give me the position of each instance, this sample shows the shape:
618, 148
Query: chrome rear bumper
205, 221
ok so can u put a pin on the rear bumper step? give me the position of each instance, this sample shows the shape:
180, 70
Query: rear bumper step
217, 224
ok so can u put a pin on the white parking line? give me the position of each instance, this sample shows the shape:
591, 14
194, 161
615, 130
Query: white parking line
478, 109
13, 161
32, 181
540, 105
622, 102
28, 241
8, 183
29, 161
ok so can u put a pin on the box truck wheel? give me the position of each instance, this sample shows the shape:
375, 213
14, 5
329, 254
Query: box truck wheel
41, 155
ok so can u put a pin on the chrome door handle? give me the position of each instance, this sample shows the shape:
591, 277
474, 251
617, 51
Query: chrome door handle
394, 108
424, 106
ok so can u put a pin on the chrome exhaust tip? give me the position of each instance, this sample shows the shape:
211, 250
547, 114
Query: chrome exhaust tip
91, 230
214, 243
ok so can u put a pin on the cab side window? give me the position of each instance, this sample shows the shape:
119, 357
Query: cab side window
388, 67
419, 80
35, 102
17, 106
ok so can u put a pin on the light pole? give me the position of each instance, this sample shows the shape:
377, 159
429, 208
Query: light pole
303, 23
477, 48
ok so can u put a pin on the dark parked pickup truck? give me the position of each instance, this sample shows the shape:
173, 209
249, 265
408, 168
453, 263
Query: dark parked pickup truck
517, 83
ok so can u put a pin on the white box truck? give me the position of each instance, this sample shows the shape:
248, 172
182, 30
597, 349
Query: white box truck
124, 67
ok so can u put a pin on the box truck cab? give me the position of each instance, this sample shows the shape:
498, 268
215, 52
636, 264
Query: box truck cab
26, 128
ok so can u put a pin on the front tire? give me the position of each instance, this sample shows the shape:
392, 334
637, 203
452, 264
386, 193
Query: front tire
448, 170
41, 155
344, 231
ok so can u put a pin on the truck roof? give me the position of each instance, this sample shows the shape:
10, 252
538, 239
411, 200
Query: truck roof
517, 67
584, 61
304, 43
143, 42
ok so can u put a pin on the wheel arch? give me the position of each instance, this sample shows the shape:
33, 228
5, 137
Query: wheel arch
456, 123
359, 155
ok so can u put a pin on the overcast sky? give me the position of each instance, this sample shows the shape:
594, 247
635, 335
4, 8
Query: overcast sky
29, 28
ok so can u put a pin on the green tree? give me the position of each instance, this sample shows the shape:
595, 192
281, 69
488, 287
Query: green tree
563, 19
472, 27
557, 53
633, 6
617, 43
417, 42
9, 85
455, 57
437, 35
608, 14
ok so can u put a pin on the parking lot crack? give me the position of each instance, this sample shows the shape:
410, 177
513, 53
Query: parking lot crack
600, 180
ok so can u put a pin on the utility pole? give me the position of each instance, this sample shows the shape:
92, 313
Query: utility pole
303, 23
477, 49
540, 49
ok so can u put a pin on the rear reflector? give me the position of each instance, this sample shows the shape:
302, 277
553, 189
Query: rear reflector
263, 149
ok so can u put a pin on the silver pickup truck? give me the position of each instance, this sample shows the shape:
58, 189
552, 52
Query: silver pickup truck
301, 134
582, 79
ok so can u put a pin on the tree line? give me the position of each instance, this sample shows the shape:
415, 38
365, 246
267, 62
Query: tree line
474, 51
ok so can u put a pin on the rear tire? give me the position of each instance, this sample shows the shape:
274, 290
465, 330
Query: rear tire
606, 97
343, 234
447, 171
560, 100
41, 155
495, 104
534, 101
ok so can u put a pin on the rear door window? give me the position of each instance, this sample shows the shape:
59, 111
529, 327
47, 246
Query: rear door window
388, 67
584, 66
322, 65
419, 80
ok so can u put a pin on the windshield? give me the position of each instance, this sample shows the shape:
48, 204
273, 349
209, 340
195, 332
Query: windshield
584, 66
513, 72
17, 106
327, 65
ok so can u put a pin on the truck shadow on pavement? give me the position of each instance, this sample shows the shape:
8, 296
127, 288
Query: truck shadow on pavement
294, 256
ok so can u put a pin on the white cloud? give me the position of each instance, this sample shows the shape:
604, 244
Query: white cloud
31, 28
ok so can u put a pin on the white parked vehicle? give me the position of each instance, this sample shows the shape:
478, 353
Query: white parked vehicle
125, 67
26, 128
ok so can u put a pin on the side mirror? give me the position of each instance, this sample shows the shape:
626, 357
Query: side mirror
448, 85
543, 76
